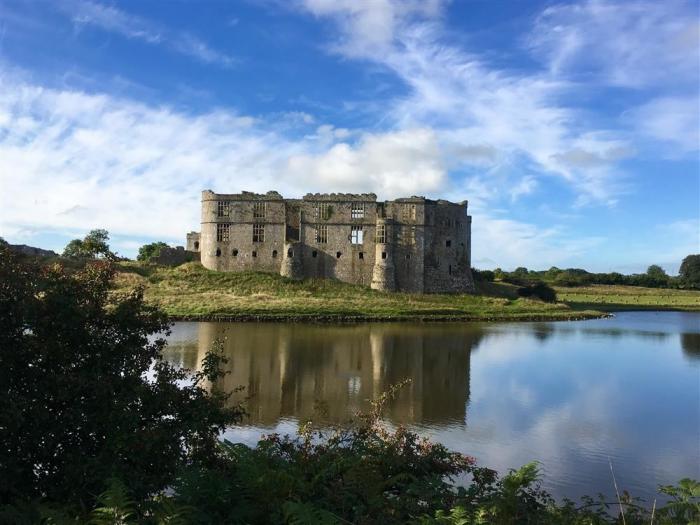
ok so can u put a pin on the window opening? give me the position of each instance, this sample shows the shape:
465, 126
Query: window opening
259, 210
381, 233
222, 232
222, 209
356, 235
323, 211
357, 210
321, 233
258, 233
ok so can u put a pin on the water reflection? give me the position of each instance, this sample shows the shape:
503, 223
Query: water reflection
291, 370
691, 346
571, 395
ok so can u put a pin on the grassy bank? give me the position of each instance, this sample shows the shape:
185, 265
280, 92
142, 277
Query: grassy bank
193, 292
616, 298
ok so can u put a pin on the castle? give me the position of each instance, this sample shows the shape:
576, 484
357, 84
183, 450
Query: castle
411, 244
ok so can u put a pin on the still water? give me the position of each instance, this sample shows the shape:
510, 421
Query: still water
572, 395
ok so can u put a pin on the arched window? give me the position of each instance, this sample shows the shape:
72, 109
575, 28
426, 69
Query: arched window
218, 252
274, 254
234, 253
196, 245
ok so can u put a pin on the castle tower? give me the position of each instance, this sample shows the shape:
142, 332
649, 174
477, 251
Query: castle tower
291, 261
383, 273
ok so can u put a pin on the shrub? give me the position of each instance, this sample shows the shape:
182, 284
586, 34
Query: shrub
540, 291
77, 406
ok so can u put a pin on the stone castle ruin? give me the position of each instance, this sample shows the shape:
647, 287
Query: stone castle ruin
411, 244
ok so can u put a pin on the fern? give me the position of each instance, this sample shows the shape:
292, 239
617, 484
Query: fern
115, 506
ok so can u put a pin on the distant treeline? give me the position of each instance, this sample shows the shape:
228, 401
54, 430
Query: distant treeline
655, 276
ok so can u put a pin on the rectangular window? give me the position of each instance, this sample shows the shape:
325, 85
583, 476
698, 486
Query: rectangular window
258, 233
381, 234
357, 210
408, 212
222, 209
356, 235
322, 233
259, 210
222, 232
409, 235
323, 211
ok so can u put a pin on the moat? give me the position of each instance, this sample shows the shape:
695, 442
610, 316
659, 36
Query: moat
571, 395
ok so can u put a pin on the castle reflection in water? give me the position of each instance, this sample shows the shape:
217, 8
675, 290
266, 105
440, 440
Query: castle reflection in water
329, 372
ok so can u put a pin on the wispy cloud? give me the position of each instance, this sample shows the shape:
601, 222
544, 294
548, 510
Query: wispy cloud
489, 115
630, 44
109, 18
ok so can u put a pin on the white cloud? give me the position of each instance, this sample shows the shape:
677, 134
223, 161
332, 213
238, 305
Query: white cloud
109, 18
481, 116
392, 164
674, 120
629, 44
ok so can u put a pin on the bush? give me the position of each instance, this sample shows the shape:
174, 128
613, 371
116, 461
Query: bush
86, 395
540, 291
150, 250
483, 275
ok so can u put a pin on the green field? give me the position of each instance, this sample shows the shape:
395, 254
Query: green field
615, 298
190, 291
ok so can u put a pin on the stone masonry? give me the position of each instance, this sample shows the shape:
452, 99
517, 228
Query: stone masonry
411, 244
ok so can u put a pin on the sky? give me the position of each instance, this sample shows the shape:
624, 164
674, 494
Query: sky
572, 128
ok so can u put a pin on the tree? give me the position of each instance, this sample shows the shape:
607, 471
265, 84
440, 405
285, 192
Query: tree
689, 271
85, 394
150, 250
94, 245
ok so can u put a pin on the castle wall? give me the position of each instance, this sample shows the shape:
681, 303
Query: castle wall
425, 248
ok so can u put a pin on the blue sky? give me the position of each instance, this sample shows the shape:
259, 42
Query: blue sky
571, 127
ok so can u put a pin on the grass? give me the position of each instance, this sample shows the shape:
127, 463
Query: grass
190, 291
615, 298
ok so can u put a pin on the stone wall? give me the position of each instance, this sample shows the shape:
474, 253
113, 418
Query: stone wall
174, 256
192, 242
425, 244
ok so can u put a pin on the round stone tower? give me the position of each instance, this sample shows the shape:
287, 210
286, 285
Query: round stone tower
291, 262
383, 274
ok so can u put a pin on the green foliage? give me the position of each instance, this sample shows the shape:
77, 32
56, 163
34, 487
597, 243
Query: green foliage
689, 272
150, 250
540, 291
86, 394
94, 245
483, 275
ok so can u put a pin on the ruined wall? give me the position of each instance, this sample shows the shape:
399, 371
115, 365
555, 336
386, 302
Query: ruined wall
192, 244
447, 263
174, 256
326, 236
412, 244
239, 250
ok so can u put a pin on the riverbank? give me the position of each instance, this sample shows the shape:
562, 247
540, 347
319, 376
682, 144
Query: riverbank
191, 292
